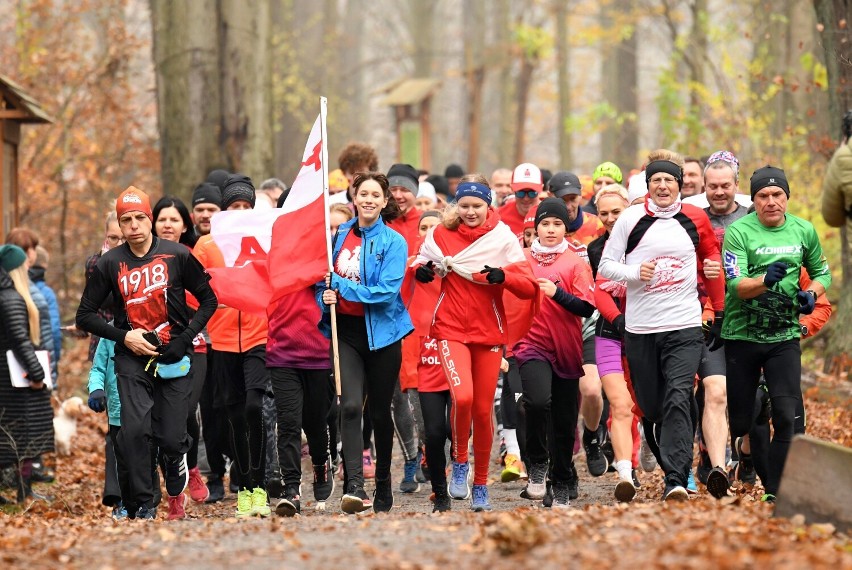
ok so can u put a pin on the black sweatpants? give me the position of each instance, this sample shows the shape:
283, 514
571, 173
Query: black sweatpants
512, 405
197, 375
242, 379
552, 406
214, 423
117, 479
663, 367
436, 422
153, 414
302, 401
781, 363
373, 374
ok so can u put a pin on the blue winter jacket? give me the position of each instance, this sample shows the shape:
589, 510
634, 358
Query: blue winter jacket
383, 257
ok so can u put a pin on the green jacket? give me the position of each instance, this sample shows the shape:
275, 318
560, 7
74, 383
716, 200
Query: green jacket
837, 191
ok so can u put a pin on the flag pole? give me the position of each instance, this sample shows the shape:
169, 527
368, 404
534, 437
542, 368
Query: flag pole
335, 353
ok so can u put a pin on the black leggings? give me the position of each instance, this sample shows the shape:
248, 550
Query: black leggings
370, 373
436, 422
760, 433
781, 363
514, 416
552, 407
198, 372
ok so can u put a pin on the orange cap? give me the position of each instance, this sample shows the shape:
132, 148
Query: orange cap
131, 200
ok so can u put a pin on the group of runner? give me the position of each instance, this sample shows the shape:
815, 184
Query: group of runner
646, 315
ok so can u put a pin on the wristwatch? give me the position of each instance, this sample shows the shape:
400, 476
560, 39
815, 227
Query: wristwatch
804, 330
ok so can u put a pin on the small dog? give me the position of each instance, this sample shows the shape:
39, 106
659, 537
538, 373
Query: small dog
65, 424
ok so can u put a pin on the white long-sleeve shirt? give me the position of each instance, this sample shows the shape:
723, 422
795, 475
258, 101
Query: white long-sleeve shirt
669, 301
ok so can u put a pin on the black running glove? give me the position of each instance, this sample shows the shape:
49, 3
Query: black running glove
97, 401
425, 273
494, 275
807, 301
619, 325
776, 271
713, 334
174, 351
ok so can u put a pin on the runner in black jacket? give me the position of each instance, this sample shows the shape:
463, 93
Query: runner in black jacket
149, 276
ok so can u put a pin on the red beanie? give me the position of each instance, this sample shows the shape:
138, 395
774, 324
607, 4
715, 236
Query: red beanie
131, 200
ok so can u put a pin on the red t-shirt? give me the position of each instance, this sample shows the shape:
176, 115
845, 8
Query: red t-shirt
511, 217
430, 373
556, 334
348, 266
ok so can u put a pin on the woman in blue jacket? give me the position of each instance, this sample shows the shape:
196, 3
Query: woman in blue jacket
369, 265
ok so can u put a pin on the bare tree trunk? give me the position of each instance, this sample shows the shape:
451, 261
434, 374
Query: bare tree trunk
421, 25
524, 85
697, 51
835, 16
246, 86
564, 91
474, 45
185, 49
507, 84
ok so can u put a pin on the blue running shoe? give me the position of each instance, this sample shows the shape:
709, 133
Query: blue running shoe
459, 481
480, 499
409, 481
691, 487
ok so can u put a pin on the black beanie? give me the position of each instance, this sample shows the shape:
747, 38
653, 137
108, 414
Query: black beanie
237, 187
404, 176
218, 177
453, 171
667, 167
769, 176
207, 193
440, 183
551, 208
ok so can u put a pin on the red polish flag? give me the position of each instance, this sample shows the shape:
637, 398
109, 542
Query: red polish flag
299, 257
272, 252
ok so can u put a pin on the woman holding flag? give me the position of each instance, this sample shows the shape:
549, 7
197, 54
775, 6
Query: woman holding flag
480, 261
369, 266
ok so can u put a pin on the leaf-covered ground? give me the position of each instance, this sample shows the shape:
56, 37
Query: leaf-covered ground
75, 531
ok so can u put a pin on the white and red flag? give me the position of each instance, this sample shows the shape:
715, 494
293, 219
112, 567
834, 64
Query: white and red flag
270, 253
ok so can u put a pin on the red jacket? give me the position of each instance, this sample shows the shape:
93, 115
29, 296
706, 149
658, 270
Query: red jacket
408, 226
473, 312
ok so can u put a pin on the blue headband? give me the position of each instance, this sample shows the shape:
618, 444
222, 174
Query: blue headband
474, 189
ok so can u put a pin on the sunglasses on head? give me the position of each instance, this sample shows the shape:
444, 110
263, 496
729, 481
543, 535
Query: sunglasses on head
526, 194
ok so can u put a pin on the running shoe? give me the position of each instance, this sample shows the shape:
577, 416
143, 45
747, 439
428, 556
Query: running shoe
635, 475
675, 493
573, 483
289, 505
717, 483
646, 457
355, 500
512, 470
460, 481
383, 496
177, 507
323, 481
422, 474
536, 487
275, 485
702, 471
625, 490
215, 490
197, 489
119, 513
409, 482
745, 471
480, 499
177, 475
146, 513
369, 465
260, 503
767, 498
441, 502
691, 487
607, 450
244, 504
547, 501
561, 498
595, 459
